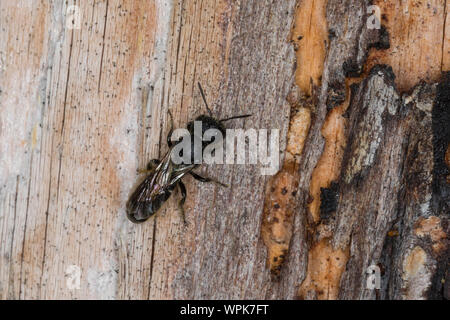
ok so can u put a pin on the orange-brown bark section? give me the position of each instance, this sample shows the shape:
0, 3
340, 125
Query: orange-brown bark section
325, 267
308, 36
419, 44
431, 227
279, 209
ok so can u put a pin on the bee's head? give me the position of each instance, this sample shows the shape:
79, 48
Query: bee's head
210, 121
207, 123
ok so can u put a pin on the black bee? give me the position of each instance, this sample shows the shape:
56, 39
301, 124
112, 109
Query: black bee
164, 175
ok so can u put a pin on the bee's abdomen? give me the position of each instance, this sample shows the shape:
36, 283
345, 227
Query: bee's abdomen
140, 212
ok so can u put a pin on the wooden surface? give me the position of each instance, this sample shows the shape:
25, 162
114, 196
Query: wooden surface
363, 148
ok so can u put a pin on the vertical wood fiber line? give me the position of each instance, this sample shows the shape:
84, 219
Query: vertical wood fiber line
20, 64
445, 64
103, 47
69, 108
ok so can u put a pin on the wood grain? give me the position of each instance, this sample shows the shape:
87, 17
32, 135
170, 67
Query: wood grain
94, 105
363, 119
419, 40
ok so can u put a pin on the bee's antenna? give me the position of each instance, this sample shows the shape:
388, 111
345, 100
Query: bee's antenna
236, 117
204, 99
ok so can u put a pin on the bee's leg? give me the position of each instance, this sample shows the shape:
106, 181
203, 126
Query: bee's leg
182, 200
203, 179
151, 166
169, 135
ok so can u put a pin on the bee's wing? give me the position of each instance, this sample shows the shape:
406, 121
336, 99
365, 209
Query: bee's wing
138, 201
151, 191
155, 189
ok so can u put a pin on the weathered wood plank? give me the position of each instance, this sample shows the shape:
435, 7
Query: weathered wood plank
81, 131
105, 90
241, 55
364, 177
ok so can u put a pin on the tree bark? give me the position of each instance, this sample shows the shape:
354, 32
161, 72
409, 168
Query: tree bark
363, 115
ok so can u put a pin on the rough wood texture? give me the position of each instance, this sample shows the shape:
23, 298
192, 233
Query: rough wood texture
364, 147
